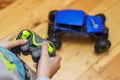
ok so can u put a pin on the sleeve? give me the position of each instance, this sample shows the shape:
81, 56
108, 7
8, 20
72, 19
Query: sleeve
42, 78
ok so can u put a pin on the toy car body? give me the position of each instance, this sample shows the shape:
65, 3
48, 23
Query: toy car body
79, 22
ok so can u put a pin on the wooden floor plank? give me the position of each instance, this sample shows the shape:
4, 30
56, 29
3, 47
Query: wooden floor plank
90, 75
5, 3
87, 6
106, 5
24, 14
111, 71
105, 59
14, 17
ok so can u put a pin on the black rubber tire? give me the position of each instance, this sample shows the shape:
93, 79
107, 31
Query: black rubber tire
52, 15
56, 41
59, 33
102, 16
50, 30
102, 46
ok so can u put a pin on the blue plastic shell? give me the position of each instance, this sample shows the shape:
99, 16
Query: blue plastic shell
70, 17
77, 21
93, 24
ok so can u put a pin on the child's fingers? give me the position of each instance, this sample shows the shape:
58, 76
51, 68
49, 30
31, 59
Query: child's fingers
16, 43
44, 50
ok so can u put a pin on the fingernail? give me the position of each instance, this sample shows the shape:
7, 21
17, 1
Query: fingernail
25, 40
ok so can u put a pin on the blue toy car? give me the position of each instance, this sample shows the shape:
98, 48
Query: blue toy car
78, 21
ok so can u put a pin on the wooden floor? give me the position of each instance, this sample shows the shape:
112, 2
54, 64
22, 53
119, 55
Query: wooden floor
79, 61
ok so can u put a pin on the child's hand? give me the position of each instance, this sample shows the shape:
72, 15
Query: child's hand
8, 43
47, 66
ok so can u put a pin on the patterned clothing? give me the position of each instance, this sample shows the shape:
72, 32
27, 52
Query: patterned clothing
13, 68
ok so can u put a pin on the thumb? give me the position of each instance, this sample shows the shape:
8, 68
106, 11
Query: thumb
44, 50
16, 43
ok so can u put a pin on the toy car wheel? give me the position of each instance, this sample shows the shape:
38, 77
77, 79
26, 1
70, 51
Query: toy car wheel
52, 15
50, 30
102, 45
57, 42
104, 34
59, 32
102, 16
